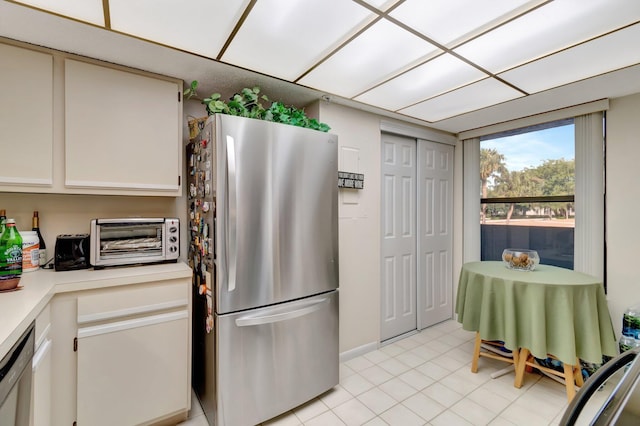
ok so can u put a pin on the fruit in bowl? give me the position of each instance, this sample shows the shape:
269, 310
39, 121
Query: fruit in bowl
520, 259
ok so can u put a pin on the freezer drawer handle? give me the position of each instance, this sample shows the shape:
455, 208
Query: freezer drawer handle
231, 214
269, 319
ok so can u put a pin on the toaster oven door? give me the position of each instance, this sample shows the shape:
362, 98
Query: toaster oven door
118, 242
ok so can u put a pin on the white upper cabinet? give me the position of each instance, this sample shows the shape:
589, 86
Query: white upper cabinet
123, 131
26, 118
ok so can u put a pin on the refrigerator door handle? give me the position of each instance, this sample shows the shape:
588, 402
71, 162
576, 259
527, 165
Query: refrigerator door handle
283, 316
232, 253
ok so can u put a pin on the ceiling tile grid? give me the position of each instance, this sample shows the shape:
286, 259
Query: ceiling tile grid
452, 21
429, 60
430, 79
202, 28
469, 98
375, 55
286, 38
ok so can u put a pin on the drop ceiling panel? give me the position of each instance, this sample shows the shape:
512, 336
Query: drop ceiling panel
284, 39
202, 27
616, 50
447, 20
428, 80
84, 10
550, 28
469, 98
375, 55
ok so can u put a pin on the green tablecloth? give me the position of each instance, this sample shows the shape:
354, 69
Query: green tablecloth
549, 310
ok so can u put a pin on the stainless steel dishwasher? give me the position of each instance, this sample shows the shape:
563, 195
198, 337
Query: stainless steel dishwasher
15, 381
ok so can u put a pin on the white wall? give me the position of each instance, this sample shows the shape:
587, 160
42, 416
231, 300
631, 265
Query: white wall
71, 214
359, 224
622, 204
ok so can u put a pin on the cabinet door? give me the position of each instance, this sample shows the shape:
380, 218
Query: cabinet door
41, 403
26, 119
133, 371
123, 131
41, 367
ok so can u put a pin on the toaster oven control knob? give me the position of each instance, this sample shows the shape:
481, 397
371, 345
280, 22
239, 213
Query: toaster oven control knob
173, 229
173, 239
173, 249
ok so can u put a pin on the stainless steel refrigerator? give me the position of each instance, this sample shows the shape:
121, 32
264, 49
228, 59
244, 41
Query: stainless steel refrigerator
263, 222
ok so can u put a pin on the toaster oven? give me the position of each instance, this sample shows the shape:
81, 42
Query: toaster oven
132, 241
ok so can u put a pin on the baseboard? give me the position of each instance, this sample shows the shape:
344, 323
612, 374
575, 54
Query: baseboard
400, 337
356, 352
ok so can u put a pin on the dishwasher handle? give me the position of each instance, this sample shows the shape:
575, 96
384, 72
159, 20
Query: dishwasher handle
282, 316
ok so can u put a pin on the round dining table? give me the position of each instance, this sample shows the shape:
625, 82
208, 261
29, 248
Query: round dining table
549, 311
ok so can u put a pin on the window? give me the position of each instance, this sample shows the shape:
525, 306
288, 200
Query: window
527, 179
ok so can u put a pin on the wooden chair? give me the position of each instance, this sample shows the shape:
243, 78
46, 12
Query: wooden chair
478, 352
572, 374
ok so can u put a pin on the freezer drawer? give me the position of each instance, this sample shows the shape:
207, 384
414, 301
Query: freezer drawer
270, 360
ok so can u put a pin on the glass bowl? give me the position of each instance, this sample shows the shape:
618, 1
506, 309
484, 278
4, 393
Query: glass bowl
520, 259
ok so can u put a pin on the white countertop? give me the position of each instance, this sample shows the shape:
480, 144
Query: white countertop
18, 309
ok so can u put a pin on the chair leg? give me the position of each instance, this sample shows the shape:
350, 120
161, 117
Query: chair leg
569, 381
578, 374
476, 353
522, 362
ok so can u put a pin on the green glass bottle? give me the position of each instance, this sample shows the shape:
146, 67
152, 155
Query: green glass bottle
10, 256
3, 220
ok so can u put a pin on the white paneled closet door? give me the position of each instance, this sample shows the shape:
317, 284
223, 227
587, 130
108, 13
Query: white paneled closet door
435, 233
398, 245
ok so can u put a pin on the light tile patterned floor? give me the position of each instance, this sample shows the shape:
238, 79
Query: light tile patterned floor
425, 379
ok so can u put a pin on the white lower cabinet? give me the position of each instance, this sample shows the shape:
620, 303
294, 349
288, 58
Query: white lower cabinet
130, 355
41, 365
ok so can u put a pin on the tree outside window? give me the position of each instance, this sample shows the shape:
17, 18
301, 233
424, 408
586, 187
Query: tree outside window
527, 192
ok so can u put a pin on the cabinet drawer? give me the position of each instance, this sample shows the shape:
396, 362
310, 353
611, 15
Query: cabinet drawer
275, 357
133, 301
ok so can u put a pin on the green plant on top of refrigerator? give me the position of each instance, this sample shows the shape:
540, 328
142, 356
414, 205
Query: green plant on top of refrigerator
247, 103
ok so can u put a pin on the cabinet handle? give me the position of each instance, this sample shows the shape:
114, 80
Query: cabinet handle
96, 330
137, 310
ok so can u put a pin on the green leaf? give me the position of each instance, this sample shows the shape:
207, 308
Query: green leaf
247, 103
191, 90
